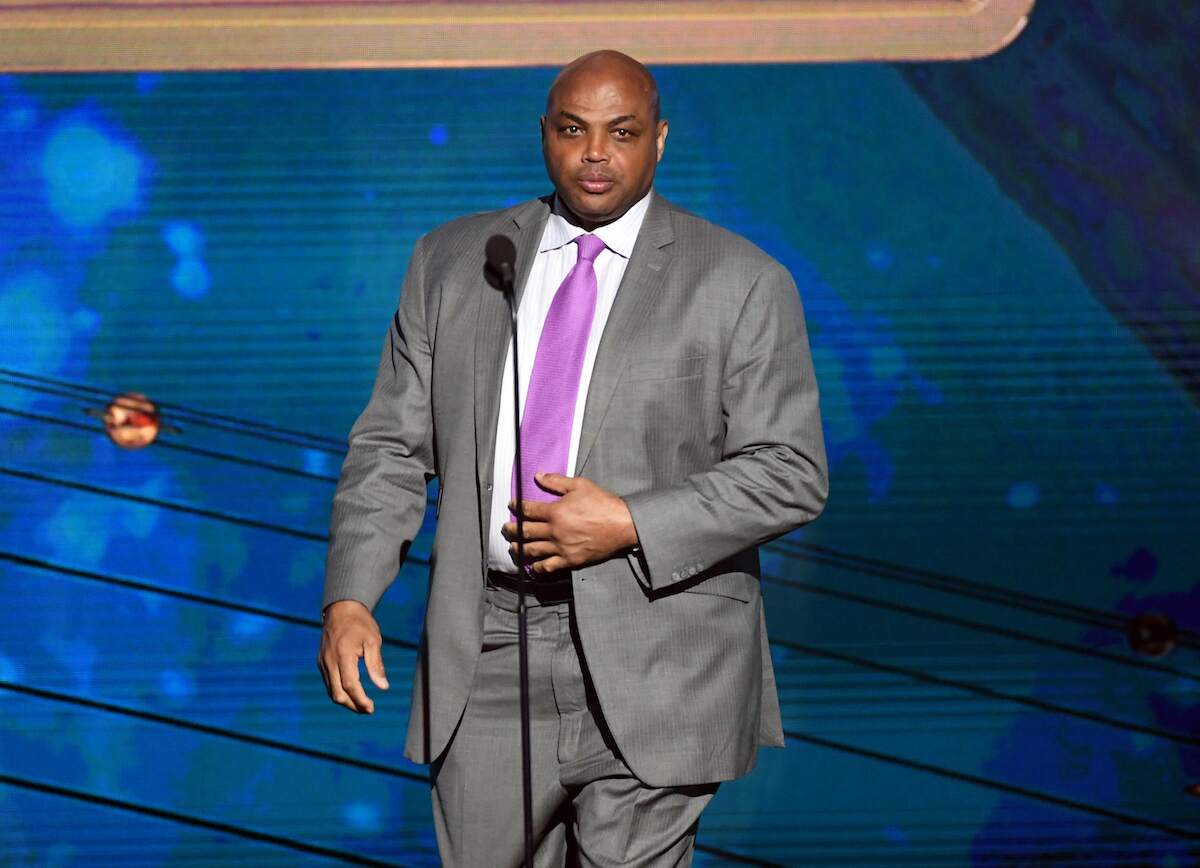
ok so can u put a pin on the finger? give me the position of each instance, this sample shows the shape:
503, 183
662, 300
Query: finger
348, 669
537, 510
556, 483
533, 530
374, 660
333, 684
550, 565
535, 550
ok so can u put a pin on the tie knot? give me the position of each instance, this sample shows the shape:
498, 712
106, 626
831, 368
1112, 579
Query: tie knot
589, 247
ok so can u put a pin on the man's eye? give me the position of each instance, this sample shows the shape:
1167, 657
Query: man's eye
622, 133
571, 129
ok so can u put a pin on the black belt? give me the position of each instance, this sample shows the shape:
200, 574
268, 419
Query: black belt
555, 588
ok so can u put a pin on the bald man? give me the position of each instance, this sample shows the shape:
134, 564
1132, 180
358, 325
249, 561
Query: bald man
669, 425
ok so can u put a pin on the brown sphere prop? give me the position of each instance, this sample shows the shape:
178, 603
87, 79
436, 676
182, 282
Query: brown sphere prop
1152, 634
132, 421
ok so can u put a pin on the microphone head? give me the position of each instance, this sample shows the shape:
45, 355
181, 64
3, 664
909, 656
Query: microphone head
500, 250
501, 256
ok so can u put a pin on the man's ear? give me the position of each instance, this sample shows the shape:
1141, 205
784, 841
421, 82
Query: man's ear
661, 139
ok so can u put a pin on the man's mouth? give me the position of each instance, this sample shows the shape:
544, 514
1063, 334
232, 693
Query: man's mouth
596, 185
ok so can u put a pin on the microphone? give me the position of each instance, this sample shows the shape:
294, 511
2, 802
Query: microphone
501, 255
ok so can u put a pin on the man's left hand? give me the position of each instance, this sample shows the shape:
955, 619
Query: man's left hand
588, 524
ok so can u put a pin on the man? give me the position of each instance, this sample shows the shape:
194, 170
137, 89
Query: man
664, 365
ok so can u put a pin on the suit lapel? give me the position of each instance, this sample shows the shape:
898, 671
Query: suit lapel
492, 336
644, 277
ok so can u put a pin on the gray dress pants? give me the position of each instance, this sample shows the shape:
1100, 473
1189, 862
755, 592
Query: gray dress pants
588, 808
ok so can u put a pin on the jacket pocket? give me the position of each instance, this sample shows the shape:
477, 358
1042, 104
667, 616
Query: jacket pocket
733, 586
665, 369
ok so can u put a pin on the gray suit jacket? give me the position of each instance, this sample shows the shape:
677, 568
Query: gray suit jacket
701, 412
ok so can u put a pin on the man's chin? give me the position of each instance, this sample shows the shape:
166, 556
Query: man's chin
598, 212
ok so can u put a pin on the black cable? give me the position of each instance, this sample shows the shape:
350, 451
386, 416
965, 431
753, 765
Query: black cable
206, 729
854, 660
956, 585
818, 554
933, 769
990, 693
797, 584
736, 858
278, 840
198, 421
1000, 786
174, 446
198, 415
747, 860
189, 596
284, 747
823, 555
1006, 632
190, 820
166, 504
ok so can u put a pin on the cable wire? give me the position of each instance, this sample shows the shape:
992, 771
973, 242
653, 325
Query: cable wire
174, 446
999, 786
192, 820
796, 584
811, 552
181, 410
854, 660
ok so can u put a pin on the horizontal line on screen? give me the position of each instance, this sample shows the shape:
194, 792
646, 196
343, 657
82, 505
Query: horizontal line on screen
854, 660
172, 445
965, 623
824, 555
189, 596
795, 584
816, 740
191, 820
184, 413
202, 512
959, 586
207, 729
992, 784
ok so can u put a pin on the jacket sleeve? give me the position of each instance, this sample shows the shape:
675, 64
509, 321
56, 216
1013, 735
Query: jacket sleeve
380, 500
772, 475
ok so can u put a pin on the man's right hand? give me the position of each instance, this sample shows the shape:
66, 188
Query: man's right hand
350, 633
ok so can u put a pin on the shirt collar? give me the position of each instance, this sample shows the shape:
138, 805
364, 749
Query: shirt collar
618, 236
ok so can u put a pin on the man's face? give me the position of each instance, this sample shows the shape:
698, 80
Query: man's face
601, 143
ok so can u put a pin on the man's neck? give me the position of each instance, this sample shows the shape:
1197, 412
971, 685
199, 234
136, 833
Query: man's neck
560, 208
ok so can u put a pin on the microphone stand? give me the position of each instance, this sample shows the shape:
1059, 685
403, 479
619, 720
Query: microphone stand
506, 282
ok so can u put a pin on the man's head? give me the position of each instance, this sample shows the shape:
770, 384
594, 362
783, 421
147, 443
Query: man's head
602, 136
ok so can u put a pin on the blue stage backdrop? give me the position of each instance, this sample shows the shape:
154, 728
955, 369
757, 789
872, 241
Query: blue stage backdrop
1013, 469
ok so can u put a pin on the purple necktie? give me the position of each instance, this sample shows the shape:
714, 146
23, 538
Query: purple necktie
554, 383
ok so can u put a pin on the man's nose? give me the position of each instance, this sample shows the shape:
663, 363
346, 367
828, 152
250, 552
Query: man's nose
597, 148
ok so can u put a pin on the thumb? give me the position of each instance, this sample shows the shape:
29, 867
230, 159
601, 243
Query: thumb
374, 660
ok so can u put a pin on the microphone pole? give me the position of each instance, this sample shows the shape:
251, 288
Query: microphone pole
501, 255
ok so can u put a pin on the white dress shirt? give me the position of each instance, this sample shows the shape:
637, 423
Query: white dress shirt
556, 256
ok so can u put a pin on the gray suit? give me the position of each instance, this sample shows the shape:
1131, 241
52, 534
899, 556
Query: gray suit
701, 412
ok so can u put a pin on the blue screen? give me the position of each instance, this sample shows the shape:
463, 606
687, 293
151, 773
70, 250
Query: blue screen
1013, 472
